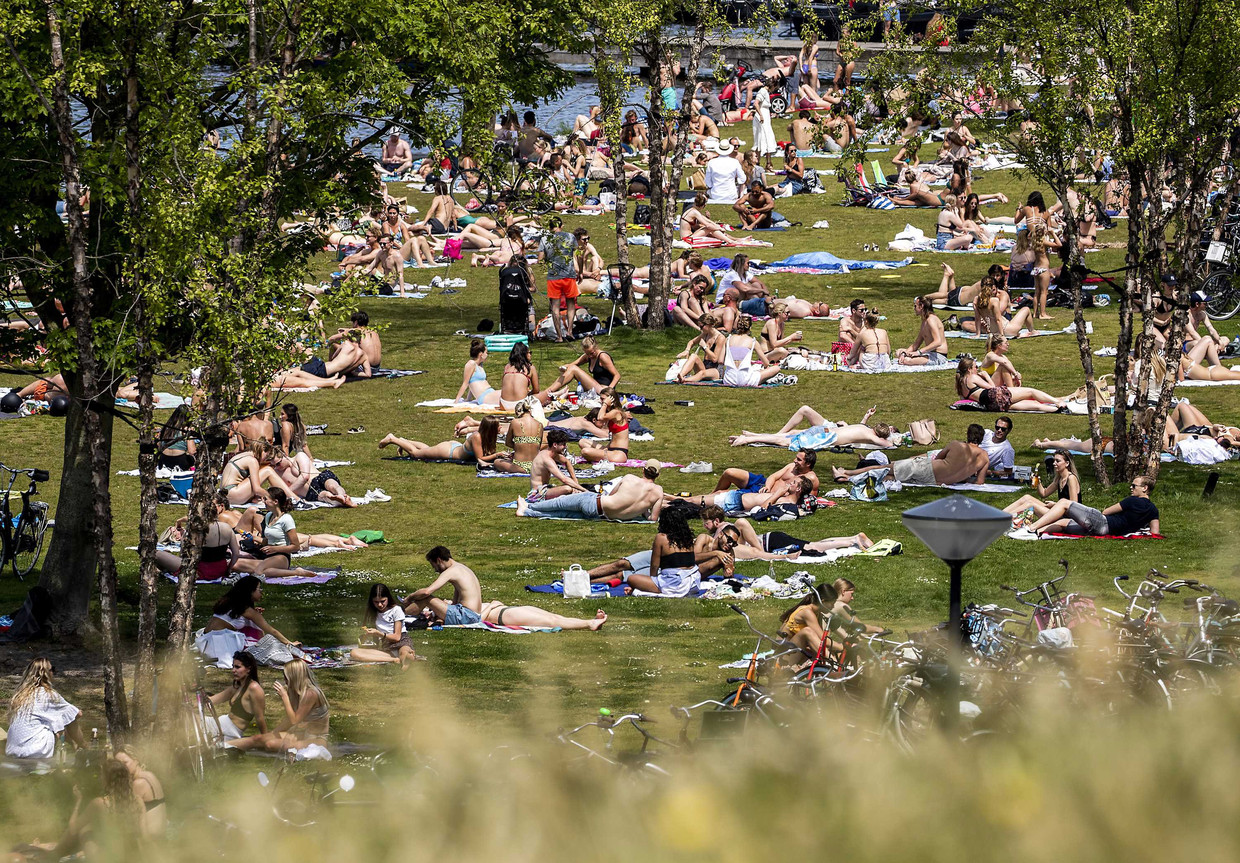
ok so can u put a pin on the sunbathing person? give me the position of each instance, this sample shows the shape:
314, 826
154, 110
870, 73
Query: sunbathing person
930, 346
775, 544
617, 419
673, 569
477, 447
511, 246
690, 303
801, 625
1201, 363
696, 222
1065, 484
524, 437
245, 474
474, 380
783, 499
631, 498
594, 369
1187, 421
307, 714
553, 463
738, 352
774, 342
466, 603
311, 484
872, 350
988, 315
536, 618
918, 195
384, 622
800, 466
521, 379
955, 463
708, 366
996, 362
361, 334
237, 611
805, 309
1132, 514
44, 388
975, 385
850, 324
949, 294
823, 433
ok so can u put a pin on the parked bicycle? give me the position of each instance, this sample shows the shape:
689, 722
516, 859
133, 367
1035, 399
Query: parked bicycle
21, 534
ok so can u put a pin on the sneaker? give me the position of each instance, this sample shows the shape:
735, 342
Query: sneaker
698, 467
437, 282
378, 494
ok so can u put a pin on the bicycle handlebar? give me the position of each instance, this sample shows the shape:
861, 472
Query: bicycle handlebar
36, 474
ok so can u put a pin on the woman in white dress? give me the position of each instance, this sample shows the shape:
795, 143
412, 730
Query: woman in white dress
37, 713
763, 130
738, 367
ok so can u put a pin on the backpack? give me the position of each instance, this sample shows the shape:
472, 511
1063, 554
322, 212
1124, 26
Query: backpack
810, 180
641, 214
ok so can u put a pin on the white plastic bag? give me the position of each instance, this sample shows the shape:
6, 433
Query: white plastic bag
576, 581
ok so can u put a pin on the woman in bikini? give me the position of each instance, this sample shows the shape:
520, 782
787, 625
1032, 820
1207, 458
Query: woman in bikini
594, 369
474, 380
996, 362
521, 379
774, 342
807, 58
690, 303
511, 246
1041, 241
951, 235
478, 447
696, 222
802, 623
587, 262
1065, 484
617, 419
738, 353
919, 194
988, 314
245, 474
871, 351
440, 215
974, 384
244, 700
525, 438
219, 547
307, 714
709, 366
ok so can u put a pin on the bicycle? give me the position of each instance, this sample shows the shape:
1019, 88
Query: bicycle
639, 760
199, 726
21, 535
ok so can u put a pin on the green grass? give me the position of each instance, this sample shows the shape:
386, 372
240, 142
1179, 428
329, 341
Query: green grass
652, 652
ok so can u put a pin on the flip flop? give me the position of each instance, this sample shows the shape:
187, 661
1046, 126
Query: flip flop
357, 430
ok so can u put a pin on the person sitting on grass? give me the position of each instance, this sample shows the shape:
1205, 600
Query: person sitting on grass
1065, 484
37, 713
871, 351
238, 610
954, 463
673, 562
842, 616
1132, 514
739, 349
631, 498
823, 433
553, 462
690, 303
708, 366
775, 544
930, 346
617, 419
363, 336
711, 554
975, 385
243, 702
801, 466
594, 369
757, 209
466, 603
271, 539
801, 625
307, 714
384, 621
774, 342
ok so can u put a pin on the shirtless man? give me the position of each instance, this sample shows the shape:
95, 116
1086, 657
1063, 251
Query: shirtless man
702, 126
850, 324
396, 158
729, 311
253, 428
930, 346
786, 492
389, 261
632, 497
547, 465
529, 136
361, 334
801, 466
954, 463
1197, 317
801, 130
466, 604
709, 556
756, 208
823, 432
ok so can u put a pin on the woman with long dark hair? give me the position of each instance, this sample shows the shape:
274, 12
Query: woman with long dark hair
176, 448
802, 623
384, 622
673, 561
244, 698
478, 447
237, 610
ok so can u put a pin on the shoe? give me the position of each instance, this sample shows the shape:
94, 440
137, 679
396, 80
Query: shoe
378, 494
698, 467
437, 282
357, 430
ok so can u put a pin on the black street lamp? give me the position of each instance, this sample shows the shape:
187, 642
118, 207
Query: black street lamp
956, 529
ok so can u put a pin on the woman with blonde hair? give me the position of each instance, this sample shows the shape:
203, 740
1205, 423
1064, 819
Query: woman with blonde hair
738, 353
1040, 242
37, 713
988, 319
996, 363
307, 714
975, 385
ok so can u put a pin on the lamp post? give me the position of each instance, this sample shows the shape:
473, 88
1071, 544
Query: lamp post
956, 529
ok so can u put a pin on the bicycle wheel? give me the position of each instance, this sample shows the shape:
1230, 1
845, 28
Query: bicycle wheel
195, 739
473, 185
909, 712
1223, 289
28, 538
538, 193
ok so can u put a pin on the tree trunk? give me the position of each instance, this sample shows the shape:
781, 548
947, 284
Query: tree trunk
660, 230
631, 316
1127, 301
69, 567
148, 530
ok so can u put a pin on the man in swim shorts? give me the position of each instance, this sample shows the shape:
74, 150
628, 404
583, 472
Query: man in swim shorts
930, 346
801, 466
553, 462
954, 463
556, 249
466, 604
631, 498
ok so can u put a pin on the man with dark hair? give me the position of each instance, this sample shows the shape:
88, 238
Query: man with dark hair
850, 324
630, 499
757, 209
366, 338
1133, 513
954, 463
547, 465
556, 250
738, 477
999, 448
529, 136
466, 603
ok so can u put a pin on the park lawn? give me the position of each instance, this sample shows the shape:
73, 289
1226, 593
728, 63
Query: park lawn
652, 652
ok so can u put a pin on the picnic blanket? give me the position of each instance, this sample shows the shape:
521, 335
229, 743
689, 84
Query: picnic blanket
495, 627
1025, 334
1207, 383
385, 373
717, 384
1163, 457
984, 488
163, 402
321, 576
1030, 535
825, 263
970, 405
